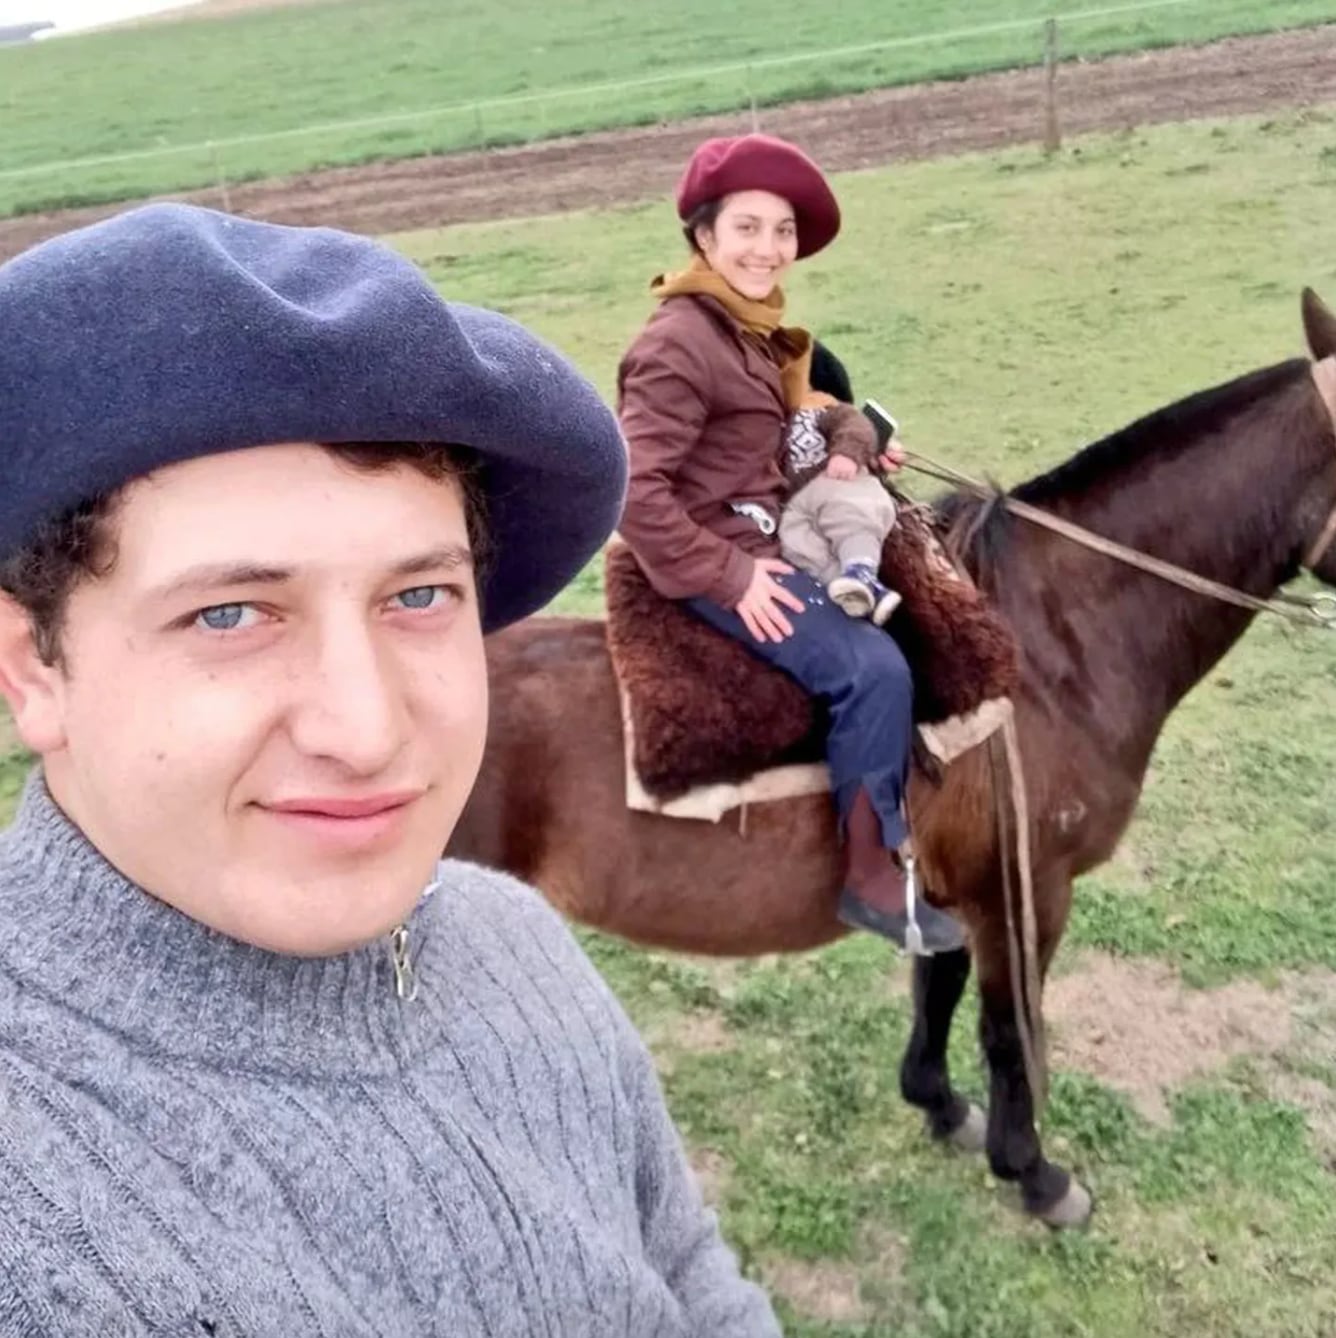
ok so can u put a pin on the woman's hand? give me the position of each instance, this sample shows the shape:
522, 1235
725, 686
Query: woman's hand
841, 467
762, 607
892, 458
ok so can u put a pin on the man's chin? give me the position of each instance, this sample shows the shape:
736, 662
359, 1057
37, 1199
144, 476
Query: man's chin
326, 916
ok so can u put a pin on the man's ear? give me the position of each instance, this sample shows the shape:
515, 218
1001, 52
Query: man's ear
34, 690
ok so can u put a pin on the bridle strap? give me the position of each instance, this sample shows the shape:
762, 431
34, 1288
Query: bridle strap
1309, 610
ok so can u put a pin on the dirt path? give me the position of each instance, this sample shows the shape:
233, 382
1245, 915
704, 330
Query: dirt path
1231, 77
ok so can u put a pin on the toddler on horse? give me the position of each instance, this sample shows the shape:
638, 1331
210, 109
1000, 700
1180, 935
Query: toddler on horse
839, 512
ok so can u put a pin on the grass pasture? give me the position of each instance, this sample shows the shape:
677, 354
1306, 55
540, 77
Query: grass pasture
159, 88
1009, 308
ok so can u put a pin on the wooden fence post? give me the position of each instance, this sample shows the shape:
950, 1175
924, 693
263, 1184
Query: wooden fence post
1052, 135
221, 177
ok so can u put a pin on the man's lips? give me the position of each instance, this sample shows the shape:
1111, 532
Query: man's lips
342, 822
367, 806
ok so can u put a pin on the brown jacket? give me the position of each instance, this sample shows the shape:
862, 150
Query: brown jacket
703, 414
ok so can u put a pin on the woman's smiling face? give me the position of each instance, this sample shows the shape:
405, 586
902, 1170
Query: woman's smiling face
752, 242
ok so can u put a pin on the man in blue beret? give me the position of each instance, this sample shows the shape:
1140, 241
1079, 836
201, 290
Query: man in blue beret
266, 1066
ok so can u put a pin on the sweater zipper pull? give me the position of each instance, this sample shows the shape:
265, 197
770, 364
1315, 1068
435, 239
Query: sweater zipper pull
405, 978
405, 981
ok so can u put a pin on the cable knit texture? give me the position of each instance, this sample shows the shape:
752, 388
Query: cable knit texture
197, 1137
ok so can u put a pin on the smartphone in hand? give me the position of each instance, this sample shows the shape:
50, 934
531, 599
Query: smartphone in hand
882, 420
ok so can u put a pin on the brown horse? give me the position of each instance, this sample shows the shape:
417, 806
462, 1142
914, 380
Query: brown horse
1235, 483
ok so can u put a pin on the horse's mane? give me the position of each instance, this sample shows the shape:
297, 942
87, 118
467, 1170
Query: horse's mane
981, 526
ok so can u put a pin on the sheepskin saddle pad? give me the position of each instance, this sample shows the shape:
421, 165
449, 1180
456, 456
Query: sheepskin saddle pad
702, 710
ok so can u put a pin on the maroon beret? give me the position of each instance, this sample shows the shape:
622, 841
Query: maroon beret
720, 167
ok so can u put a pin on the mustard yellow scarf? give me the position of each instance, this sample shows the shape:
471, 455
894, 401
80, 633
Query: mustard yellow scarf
789, 345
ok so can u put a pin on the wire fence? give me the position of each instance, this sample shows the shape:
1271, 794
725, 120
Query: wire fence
479, 107
541, 114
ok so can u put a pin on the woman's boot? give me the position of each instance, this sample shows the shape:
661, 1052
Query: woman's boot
875, 896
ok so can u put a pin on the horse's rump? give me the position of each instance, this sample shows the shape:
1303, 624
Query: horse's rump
702, 709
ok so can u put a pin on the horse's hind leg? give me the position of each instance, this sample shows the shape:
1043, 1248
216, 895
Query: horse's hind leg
924, 1078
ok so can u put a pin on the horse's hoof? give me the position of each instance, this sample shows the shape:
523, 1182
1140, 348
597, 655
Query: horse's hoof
1073, 1209
971, 1134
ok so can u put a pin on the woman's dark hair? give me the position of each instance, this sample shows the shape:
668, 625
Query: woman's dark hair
702, 216
81, 544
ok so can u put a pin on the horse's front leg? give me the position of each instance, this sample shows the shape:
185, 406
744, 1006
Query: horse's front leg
925, 1080
1014, 1152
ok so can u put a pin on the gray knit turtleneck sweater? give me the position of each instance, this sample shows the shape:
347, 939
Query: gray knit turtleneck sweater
197, 1137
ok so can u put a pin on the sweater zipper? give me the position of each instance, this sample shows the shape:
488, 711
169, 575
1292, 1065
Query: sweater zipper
405, 981
405, 978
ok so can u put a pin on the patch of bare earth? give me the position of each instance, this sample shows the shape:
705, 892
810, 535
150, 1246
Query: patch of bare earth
697, 1033
691, 1033
1227, 78
1136, 1027
833, 1292
1135, 866
824, 1290
1295, 1078
701, 1033
711, 1170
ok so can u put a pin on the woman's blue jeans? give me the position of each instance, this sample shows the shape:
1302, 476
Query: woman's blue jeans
861, 676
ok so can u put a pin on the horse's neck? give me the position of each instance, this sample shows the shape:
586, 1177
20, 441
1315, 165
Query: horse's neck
1211, 509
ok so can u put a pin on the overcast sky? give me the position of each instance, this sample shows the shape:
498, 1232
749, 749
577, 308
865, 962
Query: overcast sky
72, 14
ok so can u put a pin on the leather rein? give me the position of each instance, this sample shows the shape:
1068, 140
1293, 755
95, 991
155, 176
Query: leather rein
1317, 610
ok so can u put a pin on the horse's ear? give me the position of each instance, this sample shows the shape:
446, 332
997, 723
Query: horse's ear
828, 374
1319, 325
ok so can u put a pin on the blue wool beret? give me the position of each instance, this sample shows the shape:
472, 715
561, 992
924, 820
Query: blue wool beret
170, 332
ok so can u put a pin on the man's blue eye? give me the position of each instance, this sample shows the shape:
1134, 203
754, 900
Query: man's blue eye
420, 596
223, 617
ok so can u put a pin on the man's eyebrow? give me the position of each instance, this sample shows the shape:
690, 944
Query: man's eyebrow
208, 576
444, 558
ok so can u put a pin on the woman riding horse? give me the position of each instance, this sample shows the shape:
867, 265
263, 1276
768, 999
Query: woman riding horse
704, 394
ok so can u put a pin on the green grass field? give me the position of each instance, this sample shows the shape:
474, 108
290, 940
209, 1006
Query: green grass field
168, 85
1009, 308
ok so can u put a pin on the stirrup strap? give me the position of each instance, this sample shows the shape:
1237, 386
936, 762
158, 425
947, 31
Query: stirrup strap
913, 934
